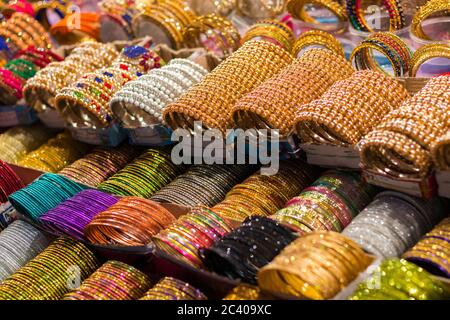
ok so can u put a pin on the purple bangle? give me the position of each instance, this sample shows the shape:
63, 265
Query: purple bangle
71, 216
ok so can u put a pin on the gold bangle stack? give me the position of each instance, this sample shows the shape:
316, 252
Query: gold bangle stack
260, 9
40, 91
316, 266
172, 16
350, 109
400, 145
213, 32
212, 99
314, 38
220, 7
271, 30
297, 9
440, 151
272, 105
244, 292
427, 52
428, 9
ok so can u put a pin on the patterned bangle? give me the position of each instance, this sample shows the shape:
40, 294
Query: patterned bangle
428, 9
440, 151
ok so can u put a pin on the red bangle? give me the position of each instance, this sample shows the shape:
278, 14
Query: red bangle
9, 181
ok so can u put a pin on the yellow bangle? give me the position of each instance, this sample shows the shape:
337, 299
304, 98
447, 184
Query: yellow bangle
297, 9
425, 11
427, 52
320, 38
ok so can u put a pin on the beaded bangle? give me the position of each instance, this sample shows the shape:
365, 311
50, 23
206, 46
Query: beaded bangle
203, 185
55, 154
114, 280
297, 9
131, 221
43, 194
350, 109
398, 279
388, 44
440, 151
271, 30
173, 289
212, 99
430, 8
427, 52
274, 102
329, 204
242, 252
264, 195
9, 182
144, 176
47, 277
392, 223
19, 243
315, 266
313, 38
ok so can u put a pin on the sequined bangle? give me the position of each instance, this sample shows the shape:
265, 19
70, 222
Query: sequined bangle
55, 154
114, 280
191, 232
430, 8
426, 53
400, 145
432, 252
332, 261
213, 32
330, 203
398, 279
99, 165
131, 221
264, 195
203, 185
9, 181
173, 289
144, 176
272, 105
16, 142
19, 243
211, 100
350, 109
389, 45
58, 261
242, 252
392, 223
43, 194
297, 9
440, 151
317, 38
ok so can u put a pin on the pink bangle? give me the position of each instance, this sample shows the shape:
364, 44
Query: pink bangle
22, 6
11, 81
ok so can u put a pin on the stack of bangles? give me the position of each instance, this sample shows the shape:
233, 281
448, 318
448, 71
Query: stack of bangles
297, 8
393, 223
114, 280
350, 109
220, 7
22, 6
212, 99
260, 9
397, 279
242, 252
170, 16
143, 177
244, 292
71, 217
19, 243
119, 11
271, 30
131, 221
55, 154
43, 194
390, 46
432, 252
272, 104
397, 19
99, 165
85, 103
22, 31
87, 28
203, 185
426, 53
215, 33
40, 91
48, 11
142, 101
430, 8
441, 152
16, 72
316, 266
191, 232
317, 38
65, 260
264, 195
16, 142
9, 182
330, 203
173, 289
400, 145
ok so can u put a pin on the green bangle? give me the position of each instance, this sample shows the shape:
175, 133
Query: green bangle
22, 68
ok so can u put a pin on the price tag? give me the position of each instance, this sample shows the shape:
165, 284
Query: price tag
332, 156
